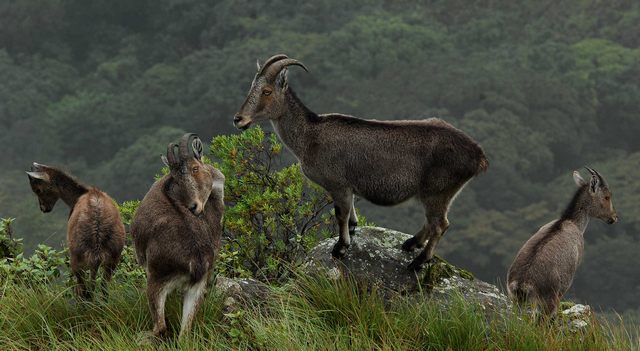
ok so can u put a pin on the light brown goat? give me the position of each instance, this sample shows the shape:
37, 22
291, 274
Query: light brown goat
385, 162
95, 233
544, 268
177, 231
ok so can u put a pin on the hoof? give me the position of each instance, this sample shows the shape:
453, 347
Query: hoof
339, 250
411, 244
419, 262
147, 339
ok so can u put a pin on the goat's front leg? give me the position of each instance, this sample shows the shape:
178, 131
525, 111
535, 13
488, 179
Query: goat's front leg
342, 203
353, 217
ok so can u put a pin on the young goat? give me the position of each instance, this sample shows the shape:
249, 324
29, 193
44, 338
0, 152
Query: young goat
177, 230
544, 268
385, 162
95, 233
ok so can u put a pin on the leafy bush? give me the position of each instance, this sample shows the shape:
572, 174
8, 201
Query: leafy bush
45, 265
273, 215
9, 246
128, 210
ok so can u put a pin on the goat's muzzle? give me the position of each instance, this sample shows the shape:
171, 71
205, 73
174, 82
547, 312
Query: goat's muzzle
613, 219
196, 208
241, 122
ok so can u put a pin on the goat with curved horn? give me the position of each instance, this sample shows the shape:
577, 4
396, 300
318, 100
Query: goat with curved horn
385, 162
177, 230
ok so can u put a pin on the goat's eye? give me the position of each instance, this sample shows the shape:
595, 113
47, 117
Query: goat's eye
195, 170
607, 198
266, 92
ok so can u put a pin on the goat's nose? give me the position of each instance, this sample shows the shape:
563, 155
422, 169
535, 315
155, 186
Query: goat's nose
237, 119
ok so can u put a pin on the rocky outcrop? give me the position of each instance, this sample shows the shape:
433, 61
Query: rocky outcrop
376, 256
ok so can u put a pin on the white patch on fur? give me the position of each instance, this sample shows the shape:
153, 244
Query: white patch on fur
169, 287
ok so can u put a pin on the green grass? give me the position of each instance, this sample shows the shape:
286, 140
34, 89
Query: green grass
311, 314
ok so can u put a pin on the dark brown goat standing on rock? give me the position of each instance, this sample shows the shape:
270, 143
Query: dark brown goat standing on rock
177, 231
95, 233
544, 268
386, 162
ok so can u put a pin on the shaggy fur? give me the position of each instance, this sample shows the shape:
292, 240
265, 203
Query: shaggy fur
544, 268
95, 233
385, 162
177, 231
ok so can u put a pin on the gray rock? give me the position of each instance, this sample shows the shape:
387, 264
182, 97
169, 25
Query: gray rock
376, 256
577, 317
240, 292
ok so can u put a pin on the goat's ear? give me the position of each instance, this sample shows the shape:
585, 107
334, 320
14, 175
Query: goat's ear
594, 183
258, 64
164, 160
578, 179
39, 175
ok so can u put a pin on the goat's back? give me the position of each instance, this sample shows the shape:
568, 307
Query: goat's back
169, 240
546, 264
95, 232
384, 158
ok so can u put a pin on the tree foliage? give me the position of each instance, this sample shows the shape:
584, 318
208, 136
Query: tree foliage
101, 87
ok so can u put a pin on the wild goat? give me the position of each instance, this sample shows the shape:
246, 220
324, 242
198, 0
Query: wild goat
545, 266
95, 233
177, 230
385, 162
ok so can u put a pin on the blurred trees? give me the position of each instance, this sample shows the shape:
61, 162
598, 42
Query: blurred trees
546, 87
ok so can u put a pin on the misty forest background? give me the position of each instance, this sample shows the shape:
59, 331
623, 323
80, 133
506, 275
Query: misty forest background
546, 87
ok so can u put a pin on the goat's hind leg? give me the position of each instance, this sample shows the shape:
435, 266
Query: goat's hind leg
418, 240
157, 295
437, 226
192, 300
107, 274
342, 203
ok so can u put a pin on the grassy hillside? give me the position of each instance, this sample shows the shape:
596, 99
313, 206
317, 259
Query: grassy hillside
309, 314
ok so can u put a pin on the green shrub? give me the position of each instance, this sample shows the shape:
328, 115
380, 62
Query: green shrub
128, 210
45, 265
273, 215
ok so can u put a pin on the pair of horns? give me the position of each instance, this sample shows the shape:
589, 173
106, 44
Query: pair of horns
597, 174
37, 172
272, 67
189, 146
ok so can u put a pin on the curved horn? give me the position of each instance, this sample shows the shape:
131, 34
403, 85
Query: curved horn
272, 71
269, 61
597, 174
172, 155
186, 149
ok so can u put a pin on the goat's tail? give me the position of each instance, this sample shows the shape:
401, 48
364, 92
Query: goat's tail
483, 164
